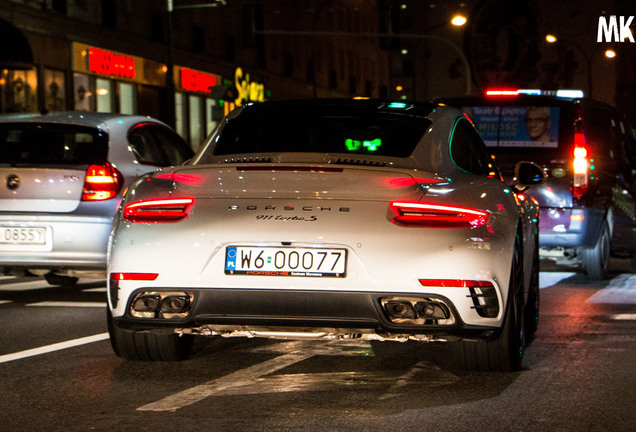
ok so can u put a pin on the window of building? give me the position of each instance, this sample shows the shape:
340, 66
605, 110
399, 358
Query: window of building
104, 90
180, 114
197, 132
19, 91
83, 95
127, 98
54, 90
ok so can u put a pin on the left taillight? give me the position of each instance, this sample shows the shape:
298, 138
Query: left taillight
102, 182
580, 165
427, 215
158, 210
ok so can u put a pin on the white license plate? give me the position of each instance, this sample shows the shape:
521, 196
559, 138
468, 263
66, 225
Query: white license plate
30, 236
275, 261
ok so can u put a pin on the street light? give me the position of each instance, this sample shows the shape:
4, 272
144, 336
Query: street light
458, 20
610, 54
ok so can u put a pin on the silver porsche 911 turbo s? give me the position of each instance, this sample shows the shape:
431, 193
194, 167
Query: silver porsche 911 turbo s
330, 219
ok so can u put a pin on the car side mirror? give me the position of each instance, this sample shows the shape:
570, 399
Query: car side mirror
527, 174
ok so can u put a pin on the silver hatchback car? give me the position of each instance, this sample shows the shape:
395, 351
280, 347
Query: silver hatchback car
63, 176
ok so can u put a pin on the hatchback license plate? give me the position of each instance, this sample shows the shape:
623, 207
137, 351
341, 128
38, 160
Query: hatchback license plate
10, 235
275, 261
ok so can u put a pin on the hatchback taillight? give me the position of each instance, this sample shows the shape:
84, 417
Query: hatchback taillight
426, 215
158, 210
102, 182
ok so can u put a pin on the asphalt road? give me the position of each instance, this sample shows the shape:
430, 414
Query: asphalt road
58, 372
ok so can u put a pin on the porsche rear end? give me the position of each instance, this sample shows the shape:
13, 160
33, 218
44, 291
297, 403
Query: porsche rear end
310, 250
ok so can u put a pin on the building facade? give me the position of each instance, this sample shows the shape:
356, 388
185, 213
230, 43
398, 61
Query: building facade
189, 65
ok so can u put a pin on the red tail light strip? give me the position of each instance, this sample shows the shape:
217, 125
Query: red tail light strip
437, 216
455, 283
158, 210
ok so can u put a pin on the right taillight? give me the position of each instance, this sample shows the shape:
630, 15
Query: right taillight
158, 210
102, 182
426, 215
580, 165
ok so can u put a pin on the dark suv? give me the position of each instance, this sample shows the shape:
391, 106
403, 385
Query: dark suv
588, 151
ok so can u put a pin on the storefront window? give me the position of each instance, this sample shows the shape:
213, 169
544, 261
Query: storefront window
212, 113
197, 124
104, 90
54, 89
83, 93
127, 99
180, 114
19, 91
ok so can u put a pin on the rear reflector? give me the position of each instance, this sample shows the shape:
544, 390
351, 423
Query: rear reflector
102, 182
134, 276
437, 216
158, 210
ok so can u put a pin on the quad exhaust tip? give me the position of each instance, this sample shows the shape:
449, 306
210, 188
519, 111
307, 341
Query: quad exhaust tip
168, 305
416, 311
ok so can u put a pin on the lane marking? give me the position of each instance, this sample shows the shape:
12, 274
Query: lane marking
54, 347
25, 286
68, 304
293, 352
620, 290
97, 290
236, 379
624, 317
547, 279
6, 301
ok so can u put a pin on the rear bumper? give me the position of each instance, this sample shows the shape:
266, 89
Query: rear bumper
75, 242
569, 227
226, 312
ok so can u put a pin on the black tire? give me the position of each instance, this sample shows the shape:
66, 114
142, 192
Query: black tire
60, 280
148, 345
534, 294
505, 352
596, 259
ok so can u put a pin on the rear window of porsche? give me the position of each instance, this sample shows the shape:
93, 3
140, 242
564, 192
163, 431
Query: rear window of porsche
323, 129
51, 145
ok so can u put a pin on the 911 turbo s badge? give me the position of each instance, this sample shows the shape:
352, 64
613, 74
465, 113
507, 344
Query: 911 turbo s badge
286, 218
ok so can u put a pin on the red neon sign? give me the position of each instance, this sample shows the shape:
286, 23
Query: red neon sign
105, 62
192, 80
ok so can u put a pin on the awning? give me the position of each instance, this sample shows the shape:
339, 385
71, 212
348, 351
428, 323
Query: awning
15, 50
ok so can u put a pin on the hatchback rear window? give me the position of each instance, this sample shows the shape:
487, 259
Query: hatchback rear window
323, 129
42, 144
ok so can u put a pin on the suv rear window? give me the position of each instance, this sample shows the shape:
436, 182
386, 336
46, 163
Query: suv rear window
517, 126
322, 129
514, 131
43, 144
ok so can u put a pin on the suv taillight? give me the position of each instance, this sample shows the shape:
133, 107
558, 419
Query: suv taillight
102, 182
580, 164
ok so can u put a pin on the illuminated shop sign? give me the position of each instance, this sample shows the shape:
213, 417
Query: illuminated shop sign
105, 62
192, 80
248, 91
